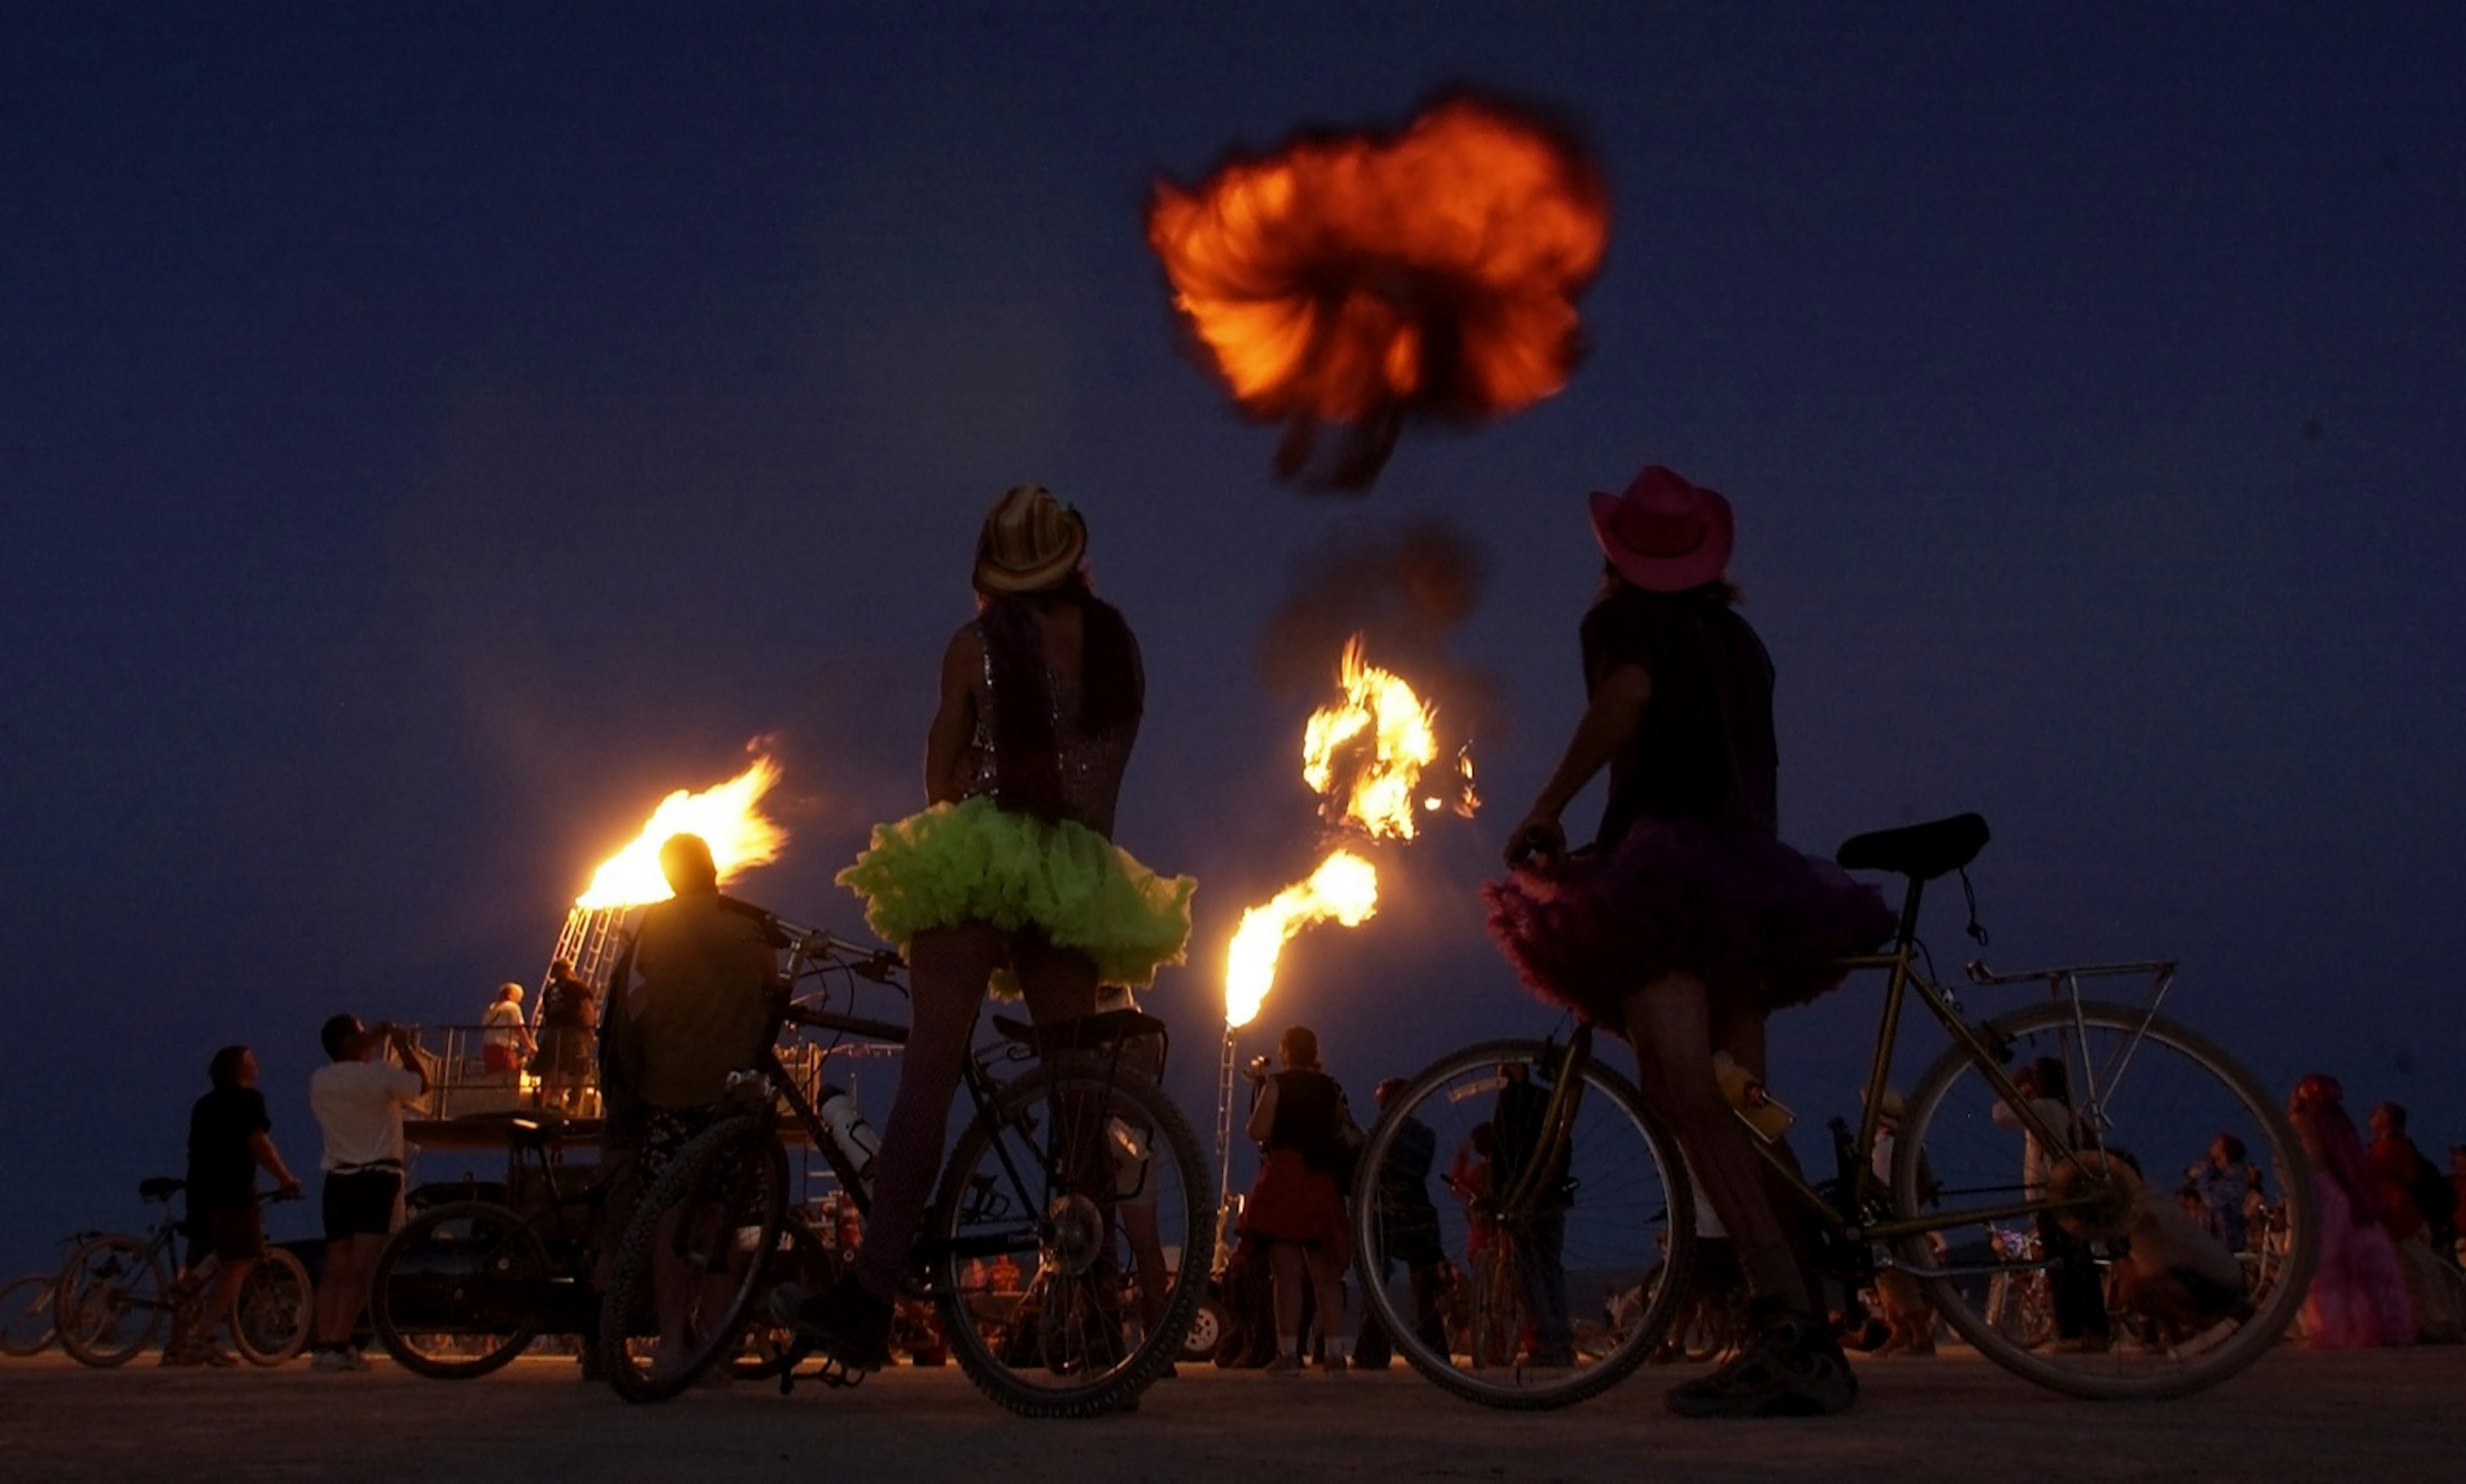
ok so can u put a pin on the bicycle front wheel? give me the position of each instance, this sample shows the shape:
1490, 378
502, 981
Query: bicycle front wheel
2098, 1300
111, 1297
26, 1314
276, 1304
1068, 1245
696, 1257
460, 1289
1525, 1308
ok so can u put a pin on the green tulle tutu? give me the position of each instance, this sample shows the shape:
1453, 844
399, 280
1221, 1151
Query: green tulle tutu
970, 862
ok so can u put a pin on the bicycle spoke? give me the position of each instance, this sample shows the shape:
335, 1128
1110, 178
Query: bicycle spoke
1531, 1308
2096, 1299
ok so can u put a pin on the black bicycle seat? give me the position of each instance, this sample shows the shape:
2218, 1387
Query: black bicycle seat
1103, 1028
159, 1187
1922, 852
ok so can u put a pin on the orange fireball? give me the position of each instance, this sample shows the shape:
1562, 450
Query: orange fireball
1351, 278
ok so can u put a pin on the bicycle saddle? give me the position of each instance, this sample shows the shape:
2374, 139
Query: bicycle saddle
1103, 1028
1922, 852
159, 1187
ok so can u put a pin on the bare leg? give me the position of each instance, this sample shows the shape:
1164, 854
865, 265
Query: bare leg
349, 1265
1669, 1023
948, 969
1286, 1262
1326, 1284
222, 1296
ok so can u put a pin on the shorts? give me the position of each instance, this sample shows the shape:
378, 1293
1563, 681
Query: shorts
1292, 1203
499, 1060
360, 1202
234, 1236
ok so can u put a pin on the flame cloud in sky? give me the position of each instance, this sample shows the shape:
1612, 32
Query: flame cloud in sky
727, 817
1356, 279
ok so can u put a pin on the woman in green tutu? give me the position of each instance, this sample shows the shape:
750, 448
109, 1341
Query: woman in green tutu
1009, 877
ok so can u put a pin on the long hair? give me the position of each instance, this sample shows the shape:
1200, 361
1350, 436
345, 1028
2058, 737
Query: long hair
1111, 690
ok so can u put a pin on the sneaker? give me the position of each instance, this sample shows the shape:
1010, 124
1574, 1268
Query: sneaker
210, 1353
847, 1324
1333, 1365
332, 1360
1789, 1367
179, 1355
1283, 1365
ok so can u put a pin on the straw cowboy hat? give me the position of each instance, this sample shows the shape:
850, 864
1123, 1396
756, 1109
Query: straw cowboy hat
1030, 542
1662, 533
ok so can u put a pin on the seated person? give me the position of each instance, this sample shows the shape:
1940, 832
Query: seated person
2167, 1268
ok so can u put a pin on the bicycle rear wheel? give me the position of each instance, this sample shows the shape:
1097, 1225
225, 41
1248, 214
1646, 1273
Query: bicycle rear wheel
460, 1289
26, 1325
708, 1233
1622, 1231
1087, 1183
276, 1304
111, 1298
2149, 1096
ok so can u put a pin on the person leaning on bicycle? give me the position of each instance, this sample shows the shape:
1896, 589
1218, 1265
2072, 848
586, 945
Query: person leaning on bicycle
695, 996
1688, 921
229, 1138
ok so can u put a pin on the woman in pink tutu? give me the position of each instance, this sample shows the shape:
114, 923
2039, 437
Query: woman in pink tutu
2358, 1296
1688, 921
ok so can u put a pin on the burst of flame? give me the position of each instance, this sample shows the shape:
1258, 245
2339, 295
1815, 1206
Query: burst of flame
727, 816
1343, 276
1345, 886
1364, 754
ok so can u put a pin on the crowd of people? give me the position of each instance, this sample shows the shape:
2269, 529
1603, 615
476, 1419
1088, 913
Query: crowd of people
1680, 928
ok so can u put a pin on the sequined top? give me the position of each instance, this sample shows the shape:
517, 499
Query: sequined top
1090, 764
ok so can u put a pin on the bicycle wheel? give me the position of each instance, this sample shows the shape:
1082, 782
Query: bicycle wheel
1623, 1212
2148, 1096
1086, 1182
26, 1314
111, 1299
460, 1289
705, 1236
276, 1304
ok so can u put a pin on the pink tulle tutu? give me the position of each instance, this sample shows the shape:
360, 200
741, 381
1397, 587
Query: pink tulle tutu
1726, 902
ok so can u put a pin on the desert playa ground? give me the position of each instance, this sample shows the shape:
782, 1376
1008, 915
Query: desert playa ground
2386, 1415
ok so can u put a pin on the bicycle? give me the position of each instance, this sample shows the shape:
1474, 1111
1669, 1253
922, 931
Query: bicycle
465, 1286
2145, 1086
26, 1303
116, 1290
1052, 1177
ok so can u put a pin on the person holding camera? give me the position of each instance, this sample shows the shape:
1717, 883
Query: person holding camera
358, 1098
1296, 1208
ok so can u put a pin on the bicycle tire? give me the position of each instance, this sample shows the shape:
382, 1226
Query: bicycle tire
458, 1291
1630, 1201
728, 1180
2144, 1087
1081, 1358
27, 1327
276, 1306
25, 1323
111, 1298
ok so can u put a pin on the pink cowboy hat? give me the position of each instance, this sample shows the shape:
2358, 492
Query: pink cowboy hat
1664, 534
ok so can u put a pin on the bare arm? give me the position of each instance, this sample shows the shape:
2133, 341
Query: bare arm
260, 1144
409, 1055
1263, 1114
1617, 708
950, 739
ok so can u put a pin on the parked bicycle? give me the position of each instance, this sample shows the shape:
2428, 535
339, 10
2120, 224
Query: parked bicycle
2145, 1086
1073, 1170
26, 1327
119, 1289
465, 1286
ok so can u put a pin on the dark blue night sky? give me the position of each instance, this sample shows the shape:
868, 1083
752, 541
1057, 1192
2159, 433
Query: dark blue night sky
431, 433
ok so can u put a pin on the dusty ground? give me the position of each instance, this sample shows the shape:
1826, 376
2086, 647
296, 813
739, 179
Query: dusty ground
2391, 1415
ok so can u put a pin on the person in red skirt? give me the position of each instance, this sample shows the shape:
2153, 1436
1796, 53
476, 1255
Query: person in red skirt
1688, 921
1296, 1206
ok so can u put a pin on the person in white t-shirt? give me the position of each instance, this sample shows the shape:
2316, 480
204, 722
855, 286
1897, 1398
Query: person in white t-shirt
358, 1098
